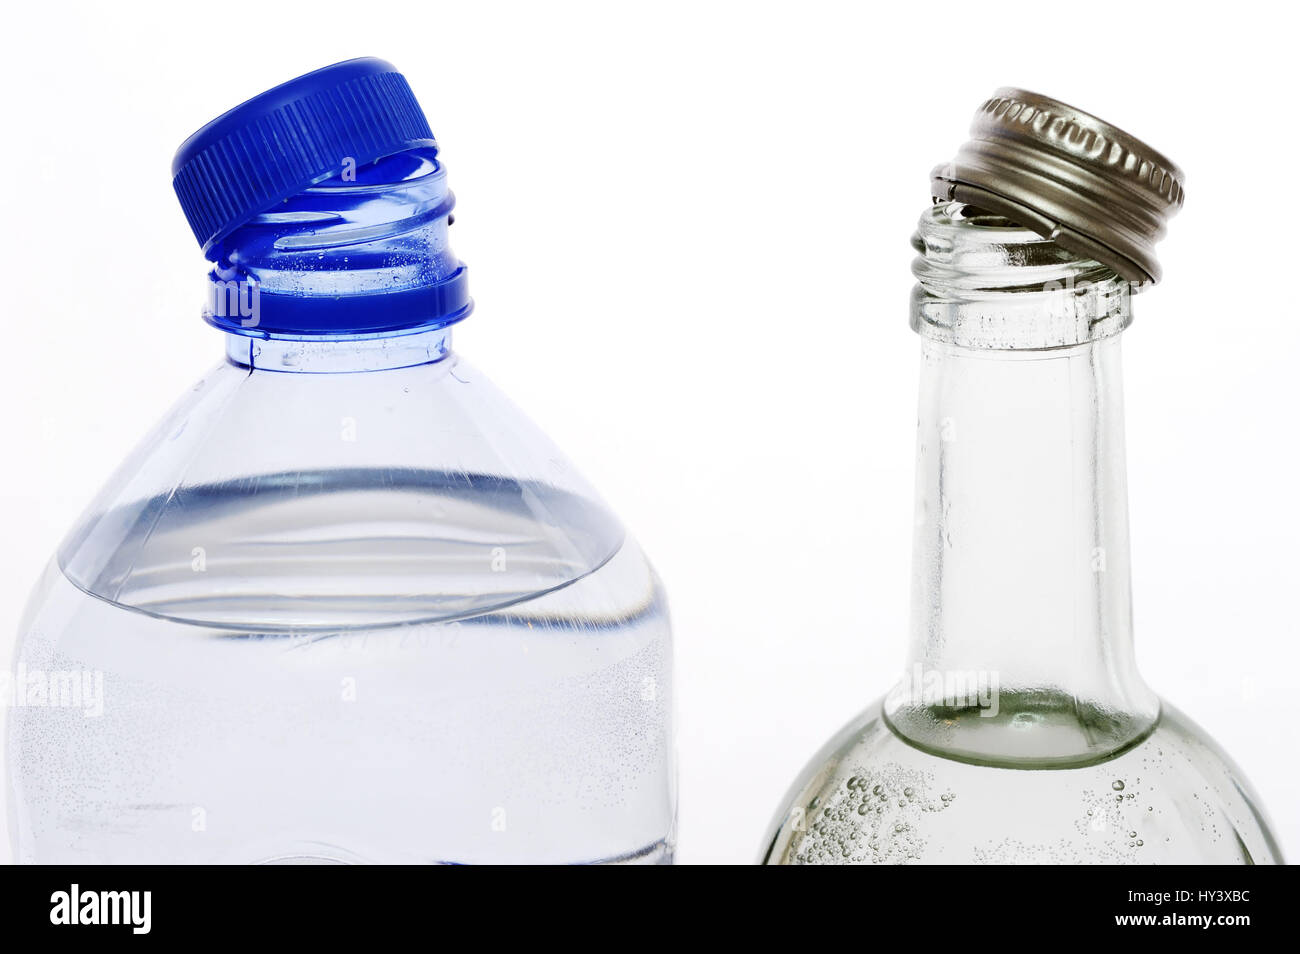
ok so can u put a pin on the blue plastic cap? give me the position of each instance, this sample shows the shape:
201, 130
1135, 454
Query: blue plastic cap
255, 156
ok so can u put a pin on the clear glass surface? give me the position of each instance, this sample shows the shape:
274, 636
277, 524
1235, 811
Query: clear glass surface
1021, 730
870, 797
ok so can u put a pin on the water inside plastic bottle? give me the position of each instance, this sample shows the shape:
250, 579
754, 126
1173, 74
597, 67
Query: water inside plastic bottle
464, 695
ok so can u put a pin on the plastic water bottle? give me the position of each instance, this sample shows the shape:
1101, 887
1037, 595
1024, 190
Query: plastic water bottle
345, 603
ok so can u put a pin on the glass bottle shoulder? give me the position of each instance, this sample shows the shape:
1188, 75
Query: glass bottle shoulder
869, 797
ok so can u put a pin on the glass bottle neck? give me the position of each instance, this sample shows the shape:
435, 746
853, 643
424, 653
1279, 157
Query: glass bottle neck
1021, 644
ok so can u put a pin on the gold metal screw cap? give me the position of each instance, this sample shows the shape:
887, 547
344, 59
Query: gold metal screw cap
1070, 177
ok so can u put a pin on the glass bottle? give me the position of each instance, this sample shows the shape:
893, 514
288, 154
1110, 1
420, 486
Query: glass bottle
346, 603
1021, 730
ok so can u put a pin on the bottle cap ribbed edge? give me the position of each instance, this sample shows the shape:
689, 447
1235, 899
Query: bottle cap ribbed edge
275, 145
1069, 176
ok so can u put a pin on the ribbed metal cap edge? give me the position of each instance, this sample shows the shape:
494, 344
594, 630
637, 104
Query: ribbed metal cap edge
1068, 176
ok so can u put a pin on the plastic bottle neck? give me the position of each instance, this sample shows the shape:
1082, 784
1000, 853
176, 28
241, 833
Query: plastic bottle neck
1021, 646
359, 255
338, 355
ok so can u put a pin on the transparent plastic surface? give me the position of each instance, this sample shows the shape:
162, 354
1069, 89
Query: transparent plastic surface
347, 604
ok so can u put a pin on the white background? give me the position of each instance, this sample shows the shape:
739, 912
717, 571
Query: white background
727, 192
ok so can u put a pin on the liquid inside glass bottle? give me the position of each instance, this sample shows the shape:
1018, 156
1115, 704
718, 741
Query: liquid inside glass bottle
346, 603
1020, 731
